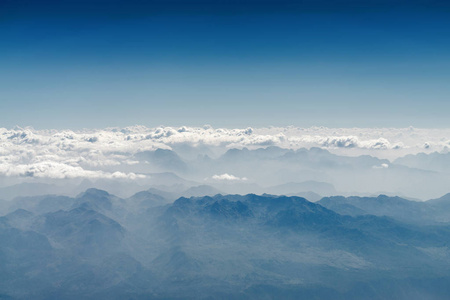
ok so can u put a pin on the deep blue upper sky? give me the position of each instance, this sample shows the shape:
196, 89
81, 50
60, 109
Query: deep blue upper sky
243, 63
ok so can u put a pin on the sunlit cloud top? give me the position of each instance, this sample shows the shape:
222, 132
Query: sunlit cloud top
89, 153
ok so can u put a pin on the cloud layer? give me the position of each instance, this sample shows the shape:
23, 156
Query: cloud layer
96, 153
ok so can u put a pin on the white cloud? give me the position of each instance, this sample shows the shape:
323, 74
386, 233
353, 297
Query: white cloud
91, 153
345, 142
57, 170
228, 177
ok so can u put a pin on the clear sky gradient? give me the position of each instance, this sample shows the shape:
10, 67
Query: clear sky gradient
76, 64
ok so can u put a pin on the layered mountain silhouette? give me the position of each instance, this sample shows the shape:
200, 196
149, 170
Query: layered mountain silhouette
100, 246
311, 173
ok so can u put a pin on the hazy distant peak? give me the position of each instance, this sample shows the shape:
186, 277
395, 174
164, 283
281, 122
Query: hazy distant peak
201, 190
94, 192
444, 199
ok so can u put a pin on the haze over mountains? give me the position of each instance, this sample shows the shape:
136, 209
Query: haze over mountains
310, 162
203, 213
93, 208
99, 246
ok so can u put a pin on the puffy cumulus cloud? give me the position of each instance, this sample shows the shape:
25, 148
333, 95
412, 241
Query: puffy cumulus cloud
344, 142
89, 153
380, 143
228, 177
341, 141
213, 137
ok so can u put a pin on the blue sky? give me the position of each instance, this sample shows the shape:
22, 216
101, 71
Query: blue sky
75, 64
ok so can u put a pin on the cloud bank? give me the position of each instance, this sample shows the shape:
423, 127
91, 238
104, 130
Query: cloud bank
96, 153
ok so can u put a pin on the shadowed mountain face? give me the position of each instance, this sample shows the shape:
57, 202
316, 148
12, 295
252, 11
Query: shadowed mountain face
82, 230
99, 246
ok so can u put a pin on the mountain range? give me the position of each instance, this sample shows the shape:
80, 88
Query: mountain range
97, 245
312, 173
